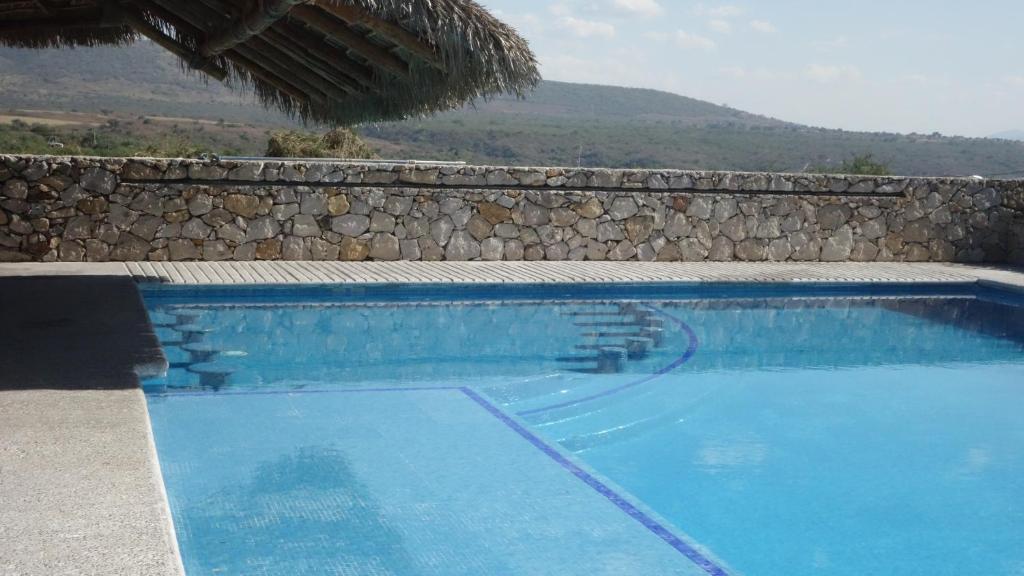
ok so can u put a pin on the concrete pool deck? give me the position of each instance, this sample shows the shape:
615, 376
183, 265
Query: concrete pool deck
80, 491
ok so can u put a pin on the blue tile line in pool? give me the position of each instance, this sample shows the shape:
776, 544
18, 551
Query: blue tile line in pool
603, 489
687, 550
691, 349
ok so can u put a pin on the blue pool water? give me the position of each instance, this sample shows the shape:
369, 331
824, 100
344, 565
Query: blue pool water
667, 429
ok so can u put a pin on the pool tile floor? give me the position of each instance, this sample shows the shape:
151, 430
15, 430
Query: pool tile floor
389, 482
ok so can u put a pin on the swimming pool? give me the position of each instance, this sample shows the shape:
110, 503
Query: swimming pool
598, 429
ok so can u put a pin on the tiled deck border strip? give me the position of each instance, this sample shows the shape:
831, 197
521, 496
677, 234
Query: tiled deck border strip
227, 273
277, 272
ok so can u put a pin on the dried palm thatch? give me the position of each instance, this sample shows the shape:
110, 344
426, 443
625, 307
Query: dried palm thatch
331, 61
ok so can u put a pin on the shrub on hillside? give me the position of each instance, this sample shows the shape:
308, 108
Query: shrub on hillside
863, 165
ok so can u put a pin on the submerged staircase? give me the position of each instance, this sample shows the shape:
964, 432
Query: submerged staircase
185, 343
587, 413
623, 333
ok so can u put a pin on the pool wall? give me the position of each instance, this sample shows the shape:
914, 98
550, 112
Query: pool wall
137, 209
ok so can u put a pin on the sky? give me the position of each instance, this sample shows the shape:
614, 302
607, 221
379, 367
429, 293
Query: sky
953, 67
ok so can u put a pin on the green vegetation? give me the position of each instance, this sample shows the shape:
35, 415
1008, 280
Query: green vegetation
564, 124
495, 138
130, 137
338, 143
863, 165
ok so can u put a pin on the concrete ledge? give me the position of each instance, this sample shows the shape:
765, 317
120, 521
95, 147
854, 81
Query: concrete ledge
76, 331
80, 492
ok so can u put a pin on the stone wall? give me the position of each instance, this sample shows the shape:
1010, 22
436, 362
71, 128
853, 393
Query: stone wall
75, 209
1013, 204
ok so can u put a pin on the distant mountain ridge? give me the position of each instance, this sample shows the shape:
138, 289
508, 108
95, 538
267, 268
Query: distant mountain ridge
1009, 135
141, 79
558, 124
594, 101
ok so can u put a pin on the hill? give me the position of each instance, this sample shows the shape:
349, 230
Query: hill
569, 124
560, 123
1010, 135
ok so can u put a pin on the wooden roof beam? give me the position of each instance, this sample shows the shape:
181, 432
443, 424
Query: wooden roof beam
182, 25
269, 77
47, 7
189, 18
338, 31
247, 27
313, 61
199, 15
142, 26
185, 24
298, 67
284, 70
356, 16
329, 53
180, 14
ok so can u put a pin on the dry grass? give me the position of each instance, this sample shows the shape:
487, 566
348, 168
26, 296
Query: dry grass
46, 120
338, 143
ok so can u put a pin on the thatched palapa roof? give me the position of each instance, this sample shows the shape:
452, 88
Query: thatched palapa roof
335, 61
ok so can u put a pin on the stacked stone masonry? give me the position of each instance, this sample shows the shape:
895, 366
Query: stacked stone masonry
136, 209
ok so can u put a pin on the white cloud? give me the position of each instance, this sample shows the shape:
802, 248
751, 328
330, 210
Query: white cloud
596, 69
526, 21
656, 36
836, 43
720, 11
720, 26
740, 73
734, 71
827, 74
559, 9
588, 28
686, 40
642, 7
763, 26
918, 79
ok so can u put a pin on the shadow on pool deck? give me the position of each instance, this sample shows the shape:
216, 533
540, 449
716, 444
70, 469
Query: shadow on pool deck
75, 332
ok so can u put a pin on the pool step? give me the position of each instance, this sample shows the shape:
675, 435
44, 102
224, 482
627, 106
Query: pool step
594, 314
608, 360
176, 357
636, 348
212, 374
192, 333
162, 321
640, 321
655, 335
165, 333
182, 317
629, 327
200, 352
